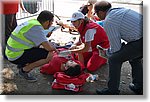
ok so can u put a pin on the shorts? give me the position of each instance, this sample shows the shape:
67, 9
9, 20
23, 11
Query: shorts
31, 55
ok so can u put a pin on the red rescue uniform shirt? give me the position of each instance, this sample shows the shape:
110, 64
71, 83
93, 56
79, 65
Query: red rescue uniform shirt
92, 60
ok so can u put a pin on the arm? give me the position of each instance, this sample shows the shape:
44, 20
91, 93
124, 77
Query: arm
81, 58
84, 47
65, 25
77, 49
89, 36
62, 67
21, 6
114, 37
48, 47
76, 43
90, 13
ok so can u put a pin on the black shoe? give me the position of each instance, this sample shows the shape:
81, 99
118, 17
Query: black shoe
106, 91
136, 89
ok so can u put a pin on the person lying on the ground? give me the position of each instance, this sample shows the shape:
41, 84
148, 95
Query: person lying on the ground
68, 72
60, 63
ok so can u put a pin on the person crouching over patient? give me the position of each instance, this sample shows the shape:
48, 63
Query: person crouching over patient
91, 35
23, 45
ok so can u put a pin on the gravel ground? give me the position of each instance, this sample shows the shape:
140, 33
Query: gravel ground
43, 85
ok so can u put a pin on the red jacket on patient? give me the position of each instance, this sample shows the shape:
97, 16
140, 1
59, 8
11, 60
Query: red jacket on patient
55, 64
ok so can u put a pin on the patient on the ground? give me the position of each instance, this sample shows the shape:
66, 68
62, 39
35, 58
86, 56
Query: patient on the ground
60, 63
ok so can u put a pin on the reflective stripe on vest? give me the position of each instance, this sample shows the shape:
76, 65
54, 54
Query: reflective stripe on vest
17, 42
14, 49
21, 41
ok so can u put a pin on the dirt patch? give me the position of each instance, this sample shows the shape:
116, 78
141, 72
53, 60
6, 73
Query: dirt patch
43, 85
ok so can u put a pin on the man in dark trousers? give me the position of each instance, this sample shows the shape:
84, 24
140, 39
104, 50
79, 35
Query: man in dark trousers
125, 24
9, 10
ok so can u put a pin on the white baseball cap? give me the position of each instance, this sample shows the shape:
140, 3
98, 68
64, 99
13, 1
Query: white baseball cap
77, 15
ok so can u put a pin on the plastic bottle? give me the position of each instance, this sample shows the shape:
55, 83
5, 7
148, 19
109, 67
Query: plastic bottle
92, 78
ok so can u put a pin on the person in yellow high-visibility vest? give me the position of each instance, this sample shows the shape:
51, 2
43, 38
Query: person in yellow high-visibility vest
23, 45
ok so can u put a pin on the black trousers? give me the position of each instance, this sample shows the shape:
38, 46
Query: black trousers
132, 52
10, 25
30, 56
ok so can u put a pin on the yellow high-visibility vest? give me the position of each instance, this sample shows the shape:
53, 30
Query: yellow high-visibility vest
17, 42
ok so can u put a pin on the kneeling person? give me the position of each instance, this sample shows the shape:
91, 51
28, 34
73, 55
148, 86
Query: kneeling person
23, 45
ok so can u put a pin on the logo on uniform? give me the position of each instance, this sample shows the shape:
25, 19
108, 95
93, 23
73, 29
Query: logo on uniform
74, 16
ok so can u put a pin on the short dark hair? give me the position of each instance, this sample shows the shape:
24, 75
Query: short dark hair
73, 71
102, 6
84, 9
44, 16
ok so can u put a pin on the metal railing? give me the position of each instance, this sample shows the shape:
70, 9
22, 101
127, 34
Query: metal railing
30, 8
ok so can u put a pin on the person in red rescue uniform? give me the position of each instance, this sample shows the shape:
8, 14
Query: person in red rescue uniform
91, 35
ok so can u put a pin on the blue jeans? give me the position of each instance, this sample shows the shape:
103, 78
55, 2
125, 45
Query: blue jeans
132, 52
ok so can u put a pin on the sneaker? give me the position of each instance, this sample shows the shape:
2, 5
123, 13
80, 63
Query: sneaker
136, 89
27, 76
106, 91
